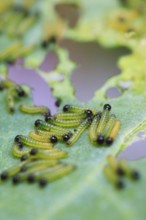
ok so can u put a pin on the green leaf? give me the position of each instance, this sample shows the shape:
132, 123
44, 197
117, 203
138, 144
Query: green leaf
85, 193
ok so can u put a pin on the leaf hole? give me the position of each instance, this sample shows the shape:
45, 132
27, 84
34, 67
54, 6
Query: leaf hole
112, 92
30, 78
50, 62
95, 65
125, 85
135, 151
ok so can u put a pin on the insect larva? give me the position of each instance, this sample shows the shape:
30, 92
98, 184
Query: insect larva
12, 93
113, 178
33, 176
46, 133
49, 127
40, 138
76, 109
85, 124
109, 126
93, 127
72, 109
49, 134
23, 175
112, 162
18, 91
11, 171
63, 123
113, 134
74, 116
18, 152
32, 143
123, 166
102, 123
5, 54
37, 163
34, 109
55, 174
58, 135
10, 101
51, 154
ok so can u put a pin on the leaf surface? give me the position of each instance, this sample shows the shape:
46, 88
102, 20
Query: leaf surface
85, 193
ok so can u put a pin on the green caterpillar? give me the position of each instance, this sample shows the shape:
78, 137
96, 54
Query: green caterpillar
85, 124
102, 123
32, 143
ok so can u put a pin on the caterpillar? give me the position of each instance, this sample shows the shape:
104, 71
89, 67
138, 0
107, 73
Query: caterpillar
37, 163
93, 127
102, 123
19, 91
45, 139
113, 133
34, 109
35, 172
123, 166
63, 123
19, 177
74, 116
52, 154
32, 143
113, 162
113, 178
60, 136
11, 171
76, 109
12, 93
55, 174
85, 124
39, 124
109, 126
116, 169
34, 176
17, 151
31, 167
10, 101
